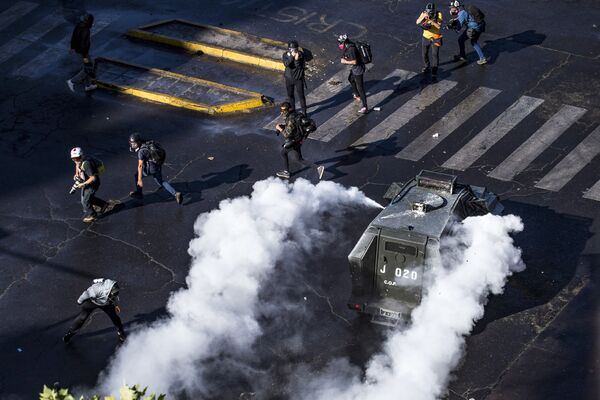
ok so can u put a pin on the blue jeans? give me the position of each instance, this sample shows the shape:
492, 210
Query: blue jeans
463, 38
156, 173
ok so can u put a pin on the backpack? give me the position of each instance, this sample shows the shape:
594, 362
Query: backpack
158, 155
305, 126
97, 165
364, 51
476, 13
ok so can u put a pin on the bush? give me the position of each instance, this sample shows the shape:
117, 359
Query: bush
127, 393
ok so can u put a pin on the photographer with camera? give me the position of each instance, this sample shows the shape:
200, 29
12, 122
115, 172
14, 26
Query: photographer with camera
151, 157
87, 171
293, 59
351, 56
293, 136
472, 18
430, 21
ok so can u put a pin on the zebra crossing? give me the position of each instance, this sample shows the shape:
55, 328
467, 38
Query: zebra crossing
481, 143
48, 58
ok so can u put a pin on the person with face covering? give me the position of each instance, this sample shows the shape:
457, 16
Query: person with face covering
351, 56
103, 294
80, 44
291, 132
293, 60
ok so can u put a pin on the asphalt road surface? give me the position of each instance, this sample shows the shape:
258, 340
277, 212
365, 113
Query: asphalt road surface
526, 125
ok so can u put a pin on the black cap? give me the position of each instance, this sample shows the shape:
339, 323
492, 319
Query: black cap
293, 44
430, 7
285, 106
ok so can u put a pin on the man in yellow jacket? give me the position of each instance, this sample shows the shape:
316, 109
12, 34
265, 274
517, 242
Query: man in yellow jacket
430, 21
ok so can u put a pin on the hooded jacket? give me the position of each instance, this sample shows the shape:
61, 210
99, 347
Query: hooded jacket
294, 69
80, 40
99, 292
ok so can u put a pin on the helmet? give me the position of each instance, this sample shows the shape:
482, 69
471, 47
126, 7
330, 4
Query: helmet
455, 3
285, 107
342, 38
430, 9
134, 141
293, 44
76, 152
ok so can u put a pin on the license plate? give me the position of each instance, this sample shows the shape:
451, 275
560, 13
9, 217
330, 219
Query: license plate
389, 314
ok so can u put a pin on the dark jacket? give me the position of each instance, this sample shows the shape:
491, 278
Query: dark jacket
294, 69
80, 40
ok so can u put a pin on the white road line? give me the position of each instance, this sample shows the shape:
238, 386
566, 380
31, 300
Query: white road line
33, 34
574, 162
35, 67
448, 124
334, 85
15, 12
492, 133
349, 114
537, 143
593, 193
406, 112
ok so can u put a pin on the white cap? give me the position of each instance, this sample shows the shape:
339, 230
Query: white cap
76, 152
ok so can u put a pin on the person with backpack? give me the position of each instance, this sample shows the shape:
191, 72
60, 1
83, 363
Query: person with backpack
151, 156
293, 60
473, 20
102, 294
295, 129
430, 21
351, 56
80, 44
87, 178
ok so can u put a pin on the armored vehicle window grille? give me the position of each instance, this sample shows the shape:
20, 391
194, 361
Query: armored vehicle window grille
437, 181
400, 248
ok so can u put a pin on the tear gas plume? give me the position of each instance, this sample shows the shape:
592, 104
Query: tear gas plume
236, 248
415, 364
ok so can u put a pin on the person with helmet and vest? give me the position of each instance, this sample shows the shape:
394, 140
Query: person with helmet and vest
80, 44
88, 180
149, 164
103, 294
430, 21
474, 25
292, 135
351, 56
293, 60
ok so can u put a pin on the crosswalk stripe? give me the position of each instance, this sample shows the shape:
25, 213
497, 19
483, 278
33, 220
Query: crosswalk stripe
593, 193
574, 162
15, 12
406, 112
33, 34
39, 64
334, 85
348, 115
537, 143
492, 133
448, 124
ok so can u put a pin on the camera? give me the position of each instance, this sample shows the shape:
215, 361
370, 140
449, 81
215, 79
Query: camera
74, 187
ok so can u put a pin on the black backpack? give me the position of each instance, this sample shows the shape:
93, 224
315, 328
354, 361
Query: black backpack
97, 165
305, 126
364, 51
158, 155
476, 13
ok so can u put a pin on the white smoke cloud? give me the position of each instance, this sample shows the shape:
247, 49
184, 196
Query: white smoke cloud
236, 248
416, 363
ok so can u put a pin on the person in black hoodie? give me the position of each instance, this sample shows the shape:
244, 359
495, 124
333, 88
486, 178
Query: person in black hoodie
351, 56
80, 44
293, 59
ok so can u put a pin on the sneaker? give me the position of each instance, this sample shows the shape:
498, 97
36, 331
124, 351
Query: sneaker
320, 170
89, 219
482, 61
71, 86
136, 195
122, 336
283, 174
91, 87
460, 58
363, 110
425, 70
67, 337
355, 97
179, 198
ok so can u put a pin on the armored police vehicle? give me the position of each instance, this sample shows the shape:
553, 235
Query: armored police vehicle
389, 262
